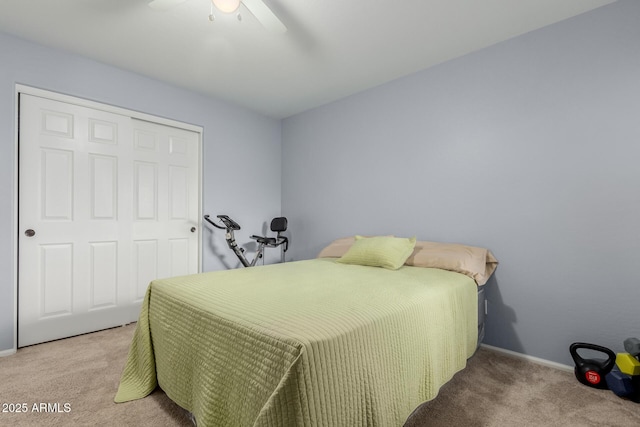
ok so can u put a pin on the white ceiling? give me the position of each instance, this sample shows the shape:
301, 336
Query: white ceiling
333, 48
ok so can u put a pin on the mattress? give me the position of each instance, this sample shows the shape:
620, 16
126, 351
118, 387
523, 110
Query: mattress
306, 343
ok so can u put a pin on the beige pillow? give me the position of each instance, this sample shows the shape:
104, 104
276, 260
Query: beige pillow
380, 251
337, 248
477, 263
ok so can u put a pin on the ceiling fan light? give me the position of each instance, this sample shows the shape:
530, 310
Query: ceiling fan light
226, 6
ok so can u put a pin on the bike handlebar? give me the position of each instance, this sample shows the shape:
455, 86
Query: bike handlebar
229, 224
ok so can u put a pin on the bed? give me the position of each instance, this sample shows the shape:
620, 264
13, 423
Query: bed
321, 342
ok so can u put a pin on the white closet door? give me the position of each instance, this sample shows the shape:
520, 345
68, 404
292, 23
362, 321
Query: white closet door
165, 203
94, 216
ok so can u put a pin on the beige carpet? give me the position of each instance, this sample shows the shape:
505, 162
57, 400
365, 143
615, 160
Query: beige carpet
77, 379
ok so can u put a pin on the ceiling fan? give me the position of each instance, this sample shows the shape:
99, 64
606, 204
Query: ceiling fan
257, 7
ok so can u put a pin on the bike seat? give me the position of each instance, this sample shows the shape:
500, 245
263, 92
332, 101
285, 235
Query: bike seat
269, 241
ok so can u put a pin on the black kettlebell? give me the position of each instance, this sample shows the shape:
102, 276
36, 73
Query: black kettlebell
592, 372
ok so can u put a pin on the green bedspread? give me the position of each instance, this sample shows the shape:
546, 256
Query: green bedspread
307, 343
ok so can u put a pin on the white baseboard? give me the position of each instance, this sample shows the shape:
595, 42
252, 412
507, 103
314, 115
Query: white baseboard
10, 352
533, 359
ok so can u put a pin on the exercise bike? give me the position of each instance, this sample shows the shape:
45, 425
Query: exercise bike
278, 225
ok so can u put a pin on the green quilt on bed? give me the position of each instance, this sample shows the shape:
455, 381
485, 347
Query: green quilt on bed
307, 343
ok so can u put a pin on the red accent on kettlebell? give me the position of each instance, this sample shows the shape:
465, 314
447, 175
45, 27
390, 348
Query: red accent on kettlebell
592, 377
591, 371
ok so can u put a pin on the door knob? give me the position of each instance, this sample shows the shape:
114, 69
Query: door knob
193, 229
29, 233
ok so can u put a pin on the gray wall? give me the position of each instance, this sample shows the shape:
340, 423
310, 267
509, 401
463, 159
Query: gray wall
237, 144
529, 148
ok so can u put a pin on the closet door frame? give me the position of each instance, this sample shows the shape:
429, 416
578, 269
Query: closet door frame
28, 90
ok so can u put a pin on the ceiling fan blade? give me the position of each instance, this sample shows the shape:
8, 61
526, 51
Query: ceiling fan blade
164, 4
265, 15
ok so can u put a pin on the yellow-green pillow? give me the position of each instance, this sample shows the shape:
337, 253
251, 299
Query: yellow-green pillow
380, 251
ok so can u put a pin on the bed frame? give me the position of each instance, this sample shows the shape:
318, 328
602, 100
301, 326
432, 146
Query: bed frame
482, 301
